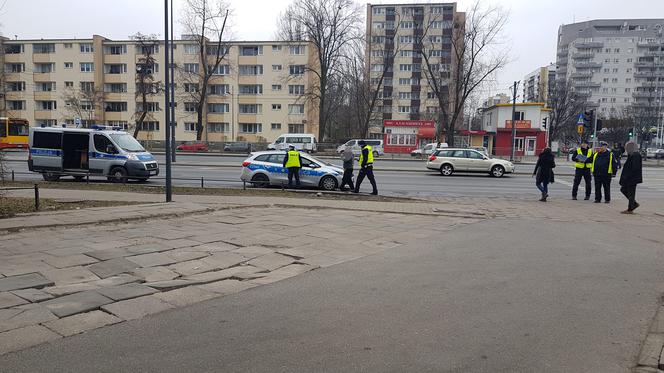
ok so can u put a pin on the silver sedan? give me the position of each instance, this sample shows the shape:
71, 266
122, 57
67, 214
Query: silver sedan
266, 168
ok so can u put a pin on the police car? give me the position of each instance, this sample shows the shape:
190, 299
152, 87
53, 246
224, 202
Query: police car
266, 168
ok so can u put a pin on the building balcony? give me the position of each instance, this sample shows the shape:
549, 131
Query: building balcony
46, 114
587, 65
581, 75
577, 56
645, 104
563, 53
117, 78
648, 64
654, 53
586, 84
588, 44
648, 43
43, 57
652, 94
651, 84
117, 58
46, 95
15, 58
43, 77
249, 60
112, 96
648, 74
120, 115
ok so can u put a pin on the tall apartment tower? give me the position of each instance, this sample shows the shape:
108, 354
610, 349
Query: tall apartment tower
393, 47
256, 94
614, 64
538, 84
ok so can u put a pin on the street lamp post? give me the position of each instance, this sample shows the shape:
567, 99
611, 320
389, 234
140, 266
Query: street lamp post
167, 112
171, 104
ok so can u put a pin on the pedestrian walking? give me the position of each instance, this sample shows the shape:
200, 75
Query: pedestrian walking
366, 168
347, 157
617, 153
603, 170
630, 176
583, 159
292, 164
544, 172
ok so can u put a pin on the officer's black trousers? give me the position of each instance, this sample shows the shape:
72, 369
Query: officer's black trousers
603, 182
293, 171
368, 172
581, 173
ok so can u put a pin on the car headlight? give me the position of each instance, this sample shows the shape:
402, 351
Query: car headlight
132, 157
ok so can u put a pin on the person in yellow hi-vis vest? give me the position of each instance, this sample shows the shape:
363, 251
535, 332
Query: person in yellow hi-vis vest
292, 164
366, 168
583, 161
604, 169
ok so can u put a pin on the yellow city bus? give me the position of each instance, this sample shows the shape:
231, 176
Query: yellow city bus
14, 133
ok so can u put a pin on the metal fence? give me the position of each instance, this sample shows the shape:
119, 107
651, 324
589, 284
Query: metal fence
35, 188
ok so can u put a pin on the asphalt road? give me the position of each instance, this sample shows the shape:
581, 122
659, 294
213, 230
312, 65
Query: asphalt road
533, 300
394, 177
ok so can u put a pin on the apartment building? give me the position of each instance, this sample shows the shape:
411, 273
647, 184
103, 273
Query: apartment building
257, 93
614, 64
538, 84
397, 37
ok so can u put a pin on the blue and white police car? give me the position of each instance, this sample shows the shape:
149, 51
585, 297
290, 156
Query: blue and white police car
266, 168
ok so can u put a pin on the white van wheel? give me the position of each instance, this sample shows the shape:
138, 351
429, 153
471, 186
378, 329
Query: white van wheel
118, 175
48, 176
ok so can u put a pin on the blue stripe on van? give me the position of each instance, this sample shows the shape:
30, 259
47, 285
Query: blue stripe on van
46, 152
106, 156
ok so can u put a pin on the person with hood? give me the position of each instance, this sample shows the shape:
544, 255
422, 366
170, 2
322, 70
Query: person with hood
544, 172
347, 157
604, 168
631, 176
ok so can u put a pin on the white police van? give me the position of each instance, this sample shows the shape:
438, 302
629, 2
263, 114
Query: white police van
79, 152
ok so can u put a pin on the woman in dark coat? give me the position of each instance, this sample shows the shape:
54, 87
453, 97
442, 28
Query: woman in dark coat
544, 172
631, 176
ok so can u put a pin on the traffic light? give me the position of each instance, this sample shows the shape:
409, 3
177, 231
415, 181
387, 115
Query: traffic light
599, 124
588, 117
592, 135
544, 122
631, 133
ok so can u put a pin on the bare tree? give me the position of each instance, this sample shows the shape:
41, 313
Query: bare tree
205, 20
330, 25
565, 105
644, 116
477, 53
146, 86
84, 102
617, 126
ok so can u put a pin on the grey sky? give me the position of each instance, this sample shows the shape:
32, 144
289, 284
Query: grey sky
532, 27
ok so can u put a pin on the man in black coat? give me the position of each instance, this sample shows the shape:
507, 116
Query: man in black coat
631, 176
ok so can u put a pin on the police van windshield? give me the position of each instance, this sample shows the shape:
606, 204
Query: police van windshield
127, 142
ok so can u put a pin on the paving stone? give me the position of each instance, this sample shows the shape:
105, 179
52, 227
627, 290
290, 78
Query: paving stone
271, 261
213, 247
658, 325
68, 326
251, 252
126, 291
108, 254
194, 266
651, 350
19, 339
33, 295
283, 273
72, 275
243, 272
152, 260
112, 267
171, 284
30, 280
59, 291
138, 307
76, 303
323, 260
186, 296
226, 287
29, 314
8, 299
302, 251
153, 274
121, 279
70, 260
225, 259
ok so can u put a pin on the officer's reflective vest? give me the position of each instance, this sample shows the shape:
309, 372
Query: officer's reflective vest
293, 159
369, 157
592, 169
583, 164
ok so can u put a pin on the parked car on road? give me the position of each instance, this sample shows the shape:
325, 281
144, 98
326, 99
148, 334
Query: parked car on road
266, 168
193, 146
449, 161
376, 146
301, 141
654, 153
427, 149
238, 147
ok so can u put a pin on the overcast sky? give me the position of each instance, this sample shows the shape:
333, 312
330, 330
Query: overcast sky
532, 27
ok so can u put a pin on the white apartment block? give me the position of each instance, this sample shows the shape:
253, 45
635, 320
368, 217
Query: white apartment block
614, 64
538, 84
256, 94
394, 30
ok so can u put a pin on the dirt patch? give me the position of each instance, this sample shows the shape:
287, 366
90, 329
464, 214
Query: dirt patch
11, 206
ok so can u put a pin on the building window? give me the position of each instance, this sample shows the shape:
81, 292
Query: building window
87, 67
218, 108
251, 89
116, 106
376, 10
296, 69
220, 70
276, 67
189, 127
68, 45
116, 68
275, 126
69, 65
628, 90
251, 108
16, 86
276, 107
191, 87
296, 50
87, 86
43, 48
251, 50
377, 67
191, 49
251, 128
44, 67
276, 87
296, 109
15, 68
118, 123
628, 80
191, 68
86, 47
407, 39
115, 49
211, 50
218, 127
69, 84
402, 139
190, 107
251, 70
115, 87
518, 143
219, 89
46, 105
16, 105
276, 48
44, 86
405, 67
296, 89
149, 126
147, 49
295, 128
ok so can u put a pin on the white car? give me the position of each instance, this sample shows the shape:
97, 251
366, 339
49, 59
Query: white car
451, 160
654, 153
376, 145
266, 168
427, 150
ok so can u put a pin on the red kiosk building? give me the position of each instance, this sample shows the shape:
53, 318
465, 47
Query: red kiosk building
404, 136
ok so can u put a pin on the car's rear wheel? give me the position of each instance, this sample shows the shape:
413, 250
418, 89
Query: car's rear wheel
497, 171
49, 176
446, 169
328, 183
260, 181
79, 178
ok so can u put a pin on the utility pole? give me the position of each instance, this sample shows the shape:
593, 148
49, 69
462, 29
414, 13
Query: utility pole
594, 113
167, 112
513, 121
172, 103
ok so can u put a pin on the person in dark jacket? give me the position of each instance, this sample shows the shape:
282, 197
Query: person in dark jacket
544, 172
617, 153
631, 176
293, 164
347, 157
604, 169
366, 168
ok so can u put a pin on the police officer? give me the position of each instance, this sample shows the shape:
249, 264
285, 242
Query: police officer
603, 169
582, 169
293, 164
366, 168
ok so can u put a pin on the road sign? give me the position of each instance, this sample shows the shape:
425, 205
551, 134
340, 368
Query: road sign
579, 129
77, 121
580, 120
